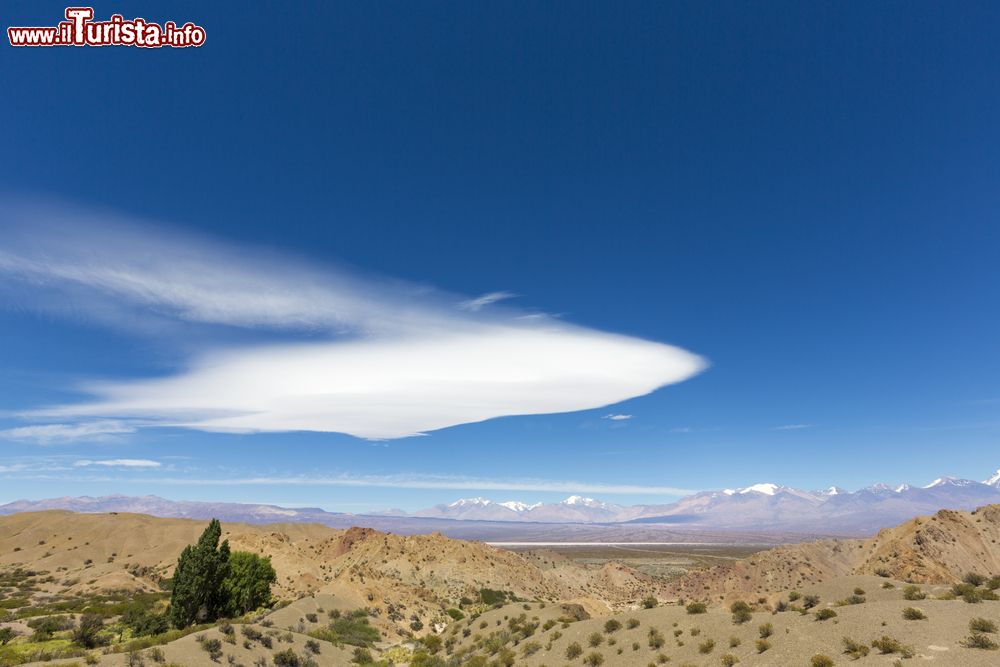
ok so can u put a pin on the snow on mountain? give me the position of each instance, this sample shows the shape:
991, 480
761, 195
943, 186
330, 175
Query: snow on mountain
580, 500
950, 481
994, 480
471, 502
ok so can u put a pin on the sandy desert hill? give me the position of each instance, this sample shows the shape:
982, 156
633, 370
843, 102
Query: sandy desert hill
803, 600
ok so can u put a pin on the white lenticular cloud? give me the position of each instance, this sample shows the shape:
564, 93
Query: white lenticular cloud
392, 359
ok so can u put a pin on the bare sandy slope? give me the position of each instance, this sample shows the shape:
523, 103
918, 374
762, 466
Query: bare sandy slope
938, 549
422, 575
795, 639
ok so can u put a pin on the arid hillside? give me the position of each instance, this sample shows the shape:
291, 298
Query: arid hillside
425, 574
939, 549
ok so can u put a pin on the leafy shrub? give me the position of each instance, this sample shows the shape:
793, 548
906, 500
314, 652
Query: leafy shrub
914, 614
912, 592
706, 646
87, 634
728, 660
820, 660
854, 649
656, 639
979, 640
974, 579
595, 639
649, 602
632, 623
809, 601
594, 659
886, 645
362, 656
982, 625
825, 614
765, 630
286, 658
456, 614
573, 651
696, 608
741, 612
352, 628
611, 625
762, 645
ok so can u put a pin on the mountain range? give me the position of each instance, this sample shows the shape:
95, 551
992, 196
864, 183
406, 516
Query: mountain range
762, 507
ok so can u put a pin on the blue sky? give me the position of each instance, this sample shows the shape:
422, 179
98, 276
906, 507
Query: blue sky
803, 196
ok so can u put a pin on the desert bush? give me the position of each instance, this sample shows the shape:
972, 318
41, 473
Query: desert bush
312, 646
595, 639
854, 649
886, 645
213, 647
156, 655
980, 641
825, 614
531, 648
286, 658
914, 614
593, 659
649, 602
6, 635
728, 660
656, 640
741, 612
696, 608
809, 601
765, 630
982, 625
432, 643
734, 641
362, 656
632, 623
611, 625
912, 592
573, 651
974, 579
87, 633
706, 646
351, 628
820, 660
762, 645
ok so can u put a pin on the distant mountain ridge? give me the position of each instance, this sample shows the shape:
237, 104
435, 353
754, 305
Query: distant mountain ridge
757, 507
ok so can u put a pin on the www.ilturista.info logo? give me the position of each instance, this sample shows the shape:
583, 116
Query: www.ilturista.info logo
79, 29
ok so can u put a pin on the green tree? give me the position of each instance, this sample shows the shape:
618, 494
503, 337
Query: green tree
87, 634
6, 634
248, 584
197, 583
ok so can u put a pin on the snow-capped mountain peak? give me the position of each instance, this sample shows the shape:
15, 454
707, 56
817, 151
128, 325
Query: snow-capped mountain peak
902, 487
581, 500
834, 491
950, 481
518, 506
994, 480
767, 488
466, 502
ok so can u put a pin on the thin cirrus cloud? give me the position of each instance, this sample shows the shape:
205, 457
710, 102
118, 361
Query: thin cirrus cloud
791, 427
434, 482
118, 463
55, 434
617, 417
384, 359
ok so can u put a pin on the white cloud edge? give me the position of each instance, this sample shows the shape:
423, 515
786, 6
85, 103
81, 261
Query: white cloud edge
412, 362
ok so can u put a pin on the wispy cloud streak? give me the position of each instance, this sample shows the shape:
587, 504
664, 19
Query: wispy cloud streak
387, 359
